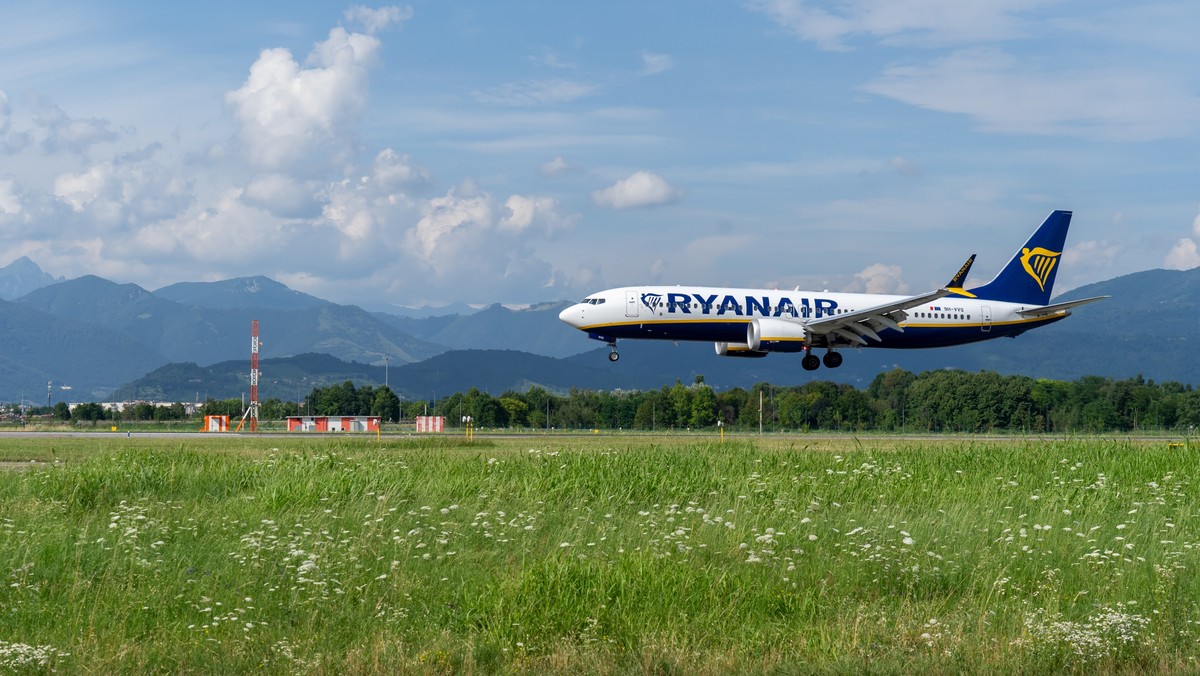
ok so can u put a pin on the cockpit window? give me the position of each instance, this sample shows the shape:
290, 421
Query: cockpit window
593, 301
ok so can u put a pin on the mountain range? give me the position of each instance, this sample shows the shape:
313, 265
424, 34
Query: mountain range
22, 276
108, 340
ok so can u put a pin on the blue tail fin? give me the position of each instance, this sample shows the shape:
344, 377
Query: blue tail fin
1029, 276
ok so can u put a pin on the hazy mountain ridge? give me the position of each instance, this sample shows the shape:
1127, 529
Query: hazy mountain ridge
22, 276
535, 329
114, 333
40, 348
239, 293
285, 378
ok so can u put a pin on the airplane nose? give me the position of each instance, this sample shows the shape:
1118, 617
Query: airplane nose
572, 315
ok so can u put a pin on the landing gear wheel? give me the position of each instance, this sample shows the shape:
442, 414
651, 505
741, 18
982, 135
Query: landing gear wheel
810, 362
612, 345
832, 360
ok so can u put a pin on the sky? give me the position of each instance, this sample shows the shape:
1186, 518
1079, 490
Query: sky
443, 152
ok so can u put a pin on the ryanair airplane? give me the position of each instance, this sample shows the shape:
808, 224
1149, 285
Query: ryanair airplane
757, 322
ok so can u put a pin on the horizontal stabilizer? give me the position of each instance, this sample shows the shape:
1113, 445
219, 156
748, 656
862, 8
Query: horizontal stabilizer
1047, 310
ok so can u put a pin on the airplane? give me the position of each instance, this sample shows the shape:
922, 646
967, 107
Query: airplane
756, 322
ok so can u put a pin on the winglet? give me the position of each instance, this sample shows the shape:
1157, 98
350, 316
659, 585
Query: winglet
955, 285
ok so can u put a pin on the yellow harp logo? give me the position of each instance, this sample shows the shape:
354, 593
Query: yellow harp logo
1039, 262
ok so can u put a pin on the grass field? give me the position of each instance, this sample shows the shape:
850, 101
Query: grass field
602, 554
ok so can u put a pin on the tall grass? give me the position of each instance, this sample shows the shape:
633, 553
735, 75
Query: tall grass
325, 555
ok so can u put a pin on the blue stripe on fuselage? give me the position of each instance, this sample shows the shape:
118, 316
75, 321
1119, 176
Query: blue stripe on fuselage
734, 330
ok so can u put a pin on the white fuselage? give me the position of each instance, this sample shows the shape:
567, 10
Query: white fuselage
723, 314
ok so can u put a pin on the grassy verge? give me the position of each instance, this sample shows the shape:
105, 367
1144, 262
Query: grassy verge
354, 555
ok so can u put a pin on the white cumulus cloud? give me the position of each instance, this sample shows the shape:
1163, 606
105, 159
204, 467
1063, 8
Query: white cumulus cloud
1185, 255
288, 112
392, 170
446, 222
227, 230
879, 278
522, 213
640, 189
367, 208
124, 193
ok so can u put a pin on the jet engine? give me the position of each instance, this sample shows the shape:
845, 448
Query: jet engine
766, 334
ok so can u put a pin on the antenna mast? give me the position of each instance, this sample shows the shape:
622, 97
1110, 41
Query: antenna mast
253, 411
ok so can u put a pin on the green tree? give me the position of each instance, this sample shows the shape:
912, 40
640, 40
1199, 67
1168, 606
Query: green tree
276, 409
681, 405
516, 410
386, 404
89, 411
704, 406
229, 407
538, 403
173, 412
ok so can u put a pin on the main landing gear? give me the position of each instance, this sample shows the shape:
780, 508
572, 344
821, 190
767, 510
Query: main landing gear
831, 360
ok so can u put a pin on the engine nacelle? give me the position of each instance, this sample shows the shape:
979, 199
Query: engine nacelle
767, 334
737, 350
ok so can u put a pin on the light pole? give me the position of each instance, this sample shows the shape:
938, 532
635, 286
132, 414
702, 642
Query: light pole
385, 370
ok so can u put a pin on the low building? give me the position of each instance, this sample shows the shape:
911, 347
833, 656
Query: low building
431, 423
216, 423
333, 423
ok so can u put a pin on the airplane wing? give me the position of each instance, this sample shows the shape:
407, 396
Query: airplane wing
1046, 310
855, 327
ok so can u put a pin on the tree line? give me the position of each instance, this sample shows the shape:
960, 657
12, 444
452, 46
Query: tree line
934, 401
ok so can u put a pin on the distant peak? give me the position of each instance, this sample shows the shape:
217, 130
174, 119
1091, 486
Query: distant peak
25, 266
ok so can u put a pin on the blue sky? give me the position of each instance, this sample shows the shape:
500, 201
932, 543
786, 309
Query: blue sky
479, 152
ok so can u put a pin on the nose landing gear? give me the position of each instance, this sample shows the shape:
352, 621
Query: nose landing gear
613, 356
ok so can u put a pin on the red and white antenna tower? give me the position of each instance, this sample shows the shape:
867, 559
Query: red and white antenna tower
253, 411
